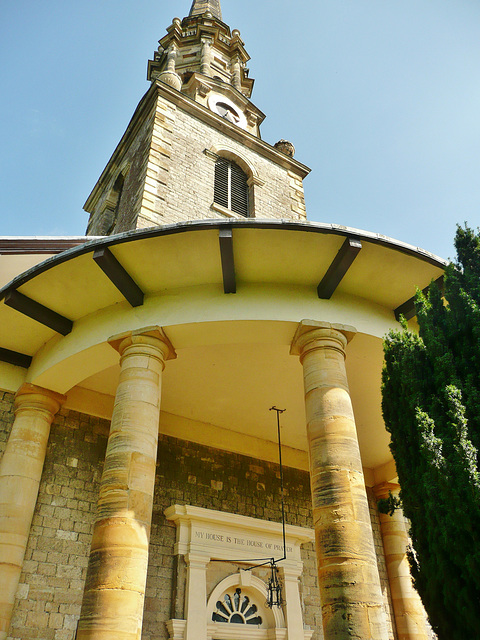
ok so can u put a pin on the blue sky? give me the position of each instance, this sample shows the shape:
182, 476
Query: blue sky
380, 97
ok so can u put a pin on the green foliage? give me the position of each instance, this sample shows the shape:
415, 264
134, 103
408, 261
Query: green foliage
389, 505
431, 407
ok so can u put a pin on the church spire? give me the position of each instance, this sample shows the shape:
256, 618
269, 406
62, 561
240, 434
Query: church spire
201, 47
200, 7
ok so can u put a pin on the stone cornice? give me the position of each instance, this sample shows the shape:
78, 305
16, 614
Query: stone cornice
240, 135
188, 105
229, 536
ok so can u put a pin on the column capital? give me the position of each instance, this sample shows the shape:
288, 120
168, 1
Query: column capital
29, 396
144, 339
381, 490
291, 570
314, 334
196, 560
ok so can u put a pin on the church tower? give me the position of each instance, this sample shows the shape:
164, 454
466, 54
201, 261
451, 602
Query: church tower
193, 149
141, 495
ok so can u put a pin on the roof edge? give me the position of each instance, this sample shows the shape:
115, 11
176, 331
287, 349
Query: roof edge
288, 225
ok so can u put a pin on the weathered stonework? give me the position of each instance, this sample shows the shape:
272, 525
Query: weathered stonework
167, 161
51, 585
21, 469
6, 417
382, 569
113, 212
280, 194
208, 478
352, 602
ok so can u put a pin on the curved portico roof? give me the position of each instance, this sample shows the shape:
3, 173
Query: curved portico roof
71, 285
233, 348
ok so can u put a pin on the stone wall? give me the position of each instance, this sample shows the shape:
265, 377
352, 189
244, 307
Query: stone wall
191, 474
169, 179
158, 170
6, 417
187, 192
132, 162
51, 585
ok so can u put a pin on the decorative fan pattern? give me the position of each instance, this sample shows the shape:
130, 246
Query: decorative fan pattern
236, 609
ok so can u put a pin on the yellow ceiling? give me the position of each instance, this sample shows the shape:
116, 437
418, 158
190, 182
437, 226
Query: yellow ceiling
233, 350
233, 383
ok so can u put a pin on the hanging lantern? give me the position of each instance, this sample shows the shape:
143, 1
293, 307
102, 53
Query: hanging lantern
274, 597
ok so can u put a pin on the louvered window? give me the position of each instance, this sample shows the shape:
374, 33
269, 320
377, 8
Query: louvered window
231, 188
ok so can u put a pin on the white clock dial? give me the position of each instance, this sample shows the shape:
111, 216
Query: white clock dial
227, 109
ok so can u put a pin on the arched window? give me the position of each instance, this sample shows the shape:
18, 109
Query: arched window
231, 188
236, 608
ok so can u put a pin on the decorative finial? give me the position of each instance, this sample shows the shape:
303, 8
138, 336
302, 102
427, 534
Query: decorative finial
285, 147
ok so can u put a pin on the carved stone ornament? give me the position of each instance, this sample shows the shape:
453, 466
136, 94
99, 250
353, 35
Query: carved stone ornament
286, 147
172, 79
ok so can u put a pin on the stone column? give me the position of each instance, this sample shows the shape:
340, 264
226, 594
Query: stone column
20, 473
352, 603
114, 593
410, 618
196, 597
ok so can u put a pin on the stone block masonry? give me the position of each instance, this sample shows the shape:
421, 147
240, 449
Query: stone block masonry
51, 585
188, 473
116, 211
168, 178
278, 194
6, 418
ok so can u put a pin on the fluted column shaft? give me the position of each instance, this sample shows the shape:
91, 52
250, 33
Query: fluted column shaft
113, 600
352, 603
410, 619
20, 473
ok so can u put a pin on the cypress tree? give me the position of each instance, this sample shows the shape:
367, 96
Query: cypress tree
431, 407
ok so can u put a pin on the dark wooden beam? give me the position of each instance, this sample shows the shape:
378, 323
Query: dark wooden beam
38, 312
225, 238
339, 267
16, 358
407, 309
17, 246
112, 268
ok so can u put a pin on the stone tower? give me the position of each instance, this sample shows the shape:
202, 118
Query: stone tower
193, 149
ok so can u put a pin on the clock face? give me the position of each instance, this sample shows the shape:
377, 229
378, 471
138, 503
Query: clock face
226, 111
225, 108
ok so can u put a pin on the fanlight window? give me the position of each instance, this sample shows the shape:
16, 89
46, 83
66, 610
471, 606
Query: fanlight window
231, 188
236, 609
